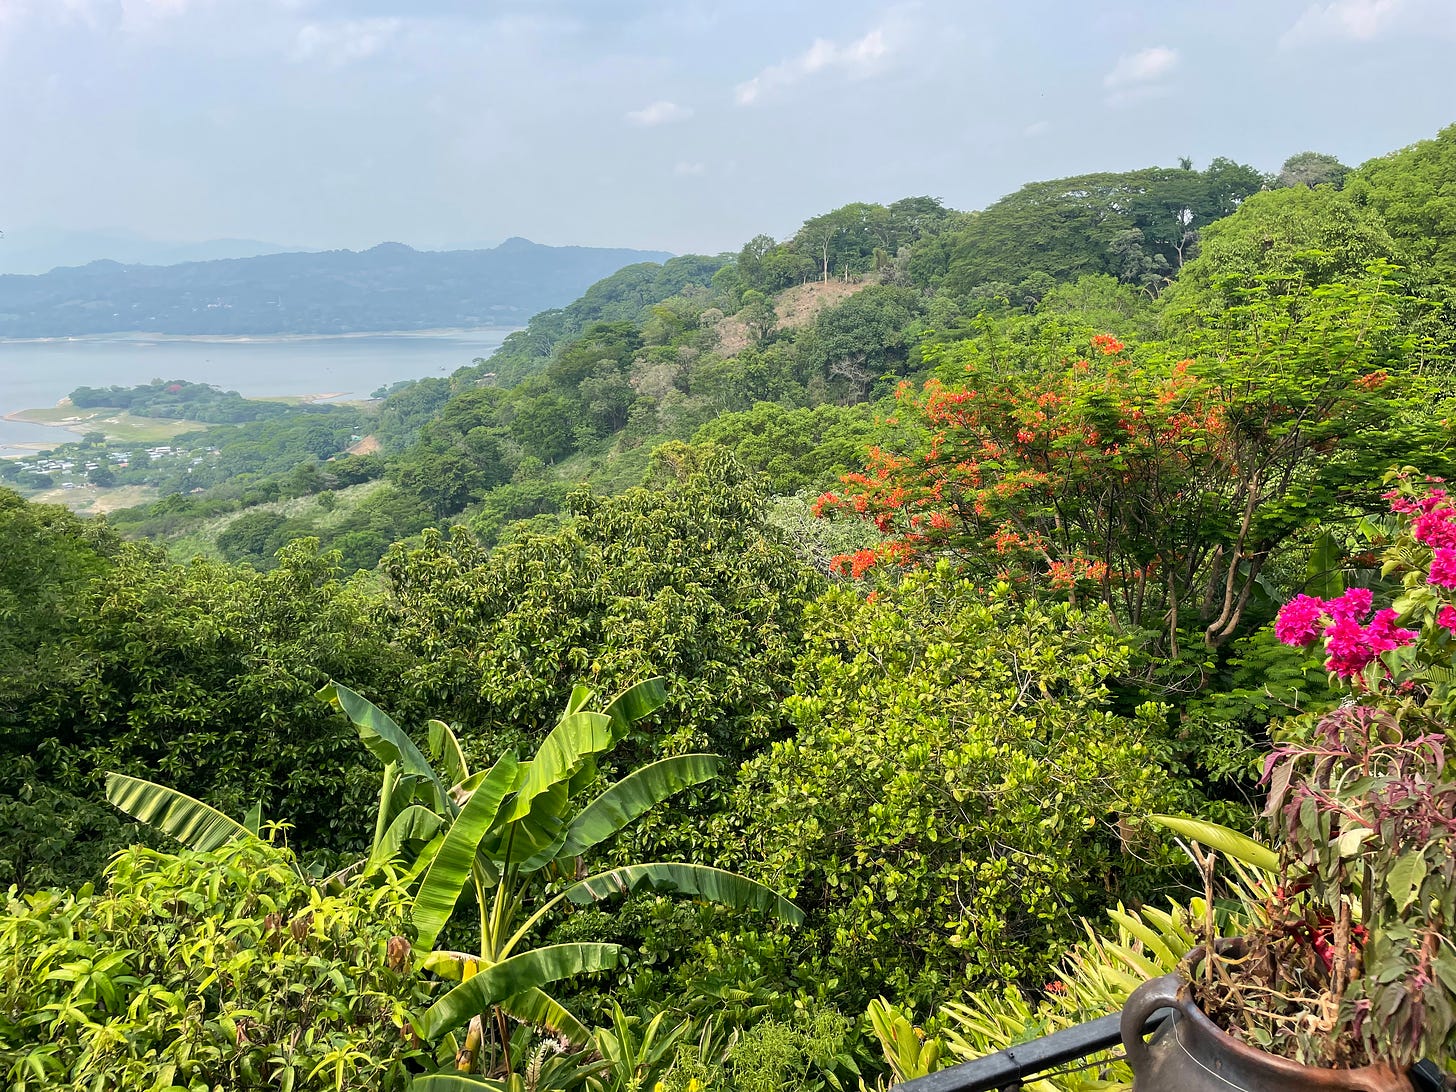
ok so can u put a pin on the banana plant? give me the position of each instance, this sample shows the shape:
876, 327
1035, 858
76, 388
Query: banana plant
510, 840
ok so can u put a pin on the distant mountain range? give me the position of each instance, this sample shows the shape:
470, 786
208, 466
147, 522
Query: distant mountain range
39, 250
387, 287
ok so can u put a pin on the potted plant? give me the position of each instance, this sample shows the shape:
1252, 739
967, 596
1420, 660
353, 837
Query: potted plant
1348, 977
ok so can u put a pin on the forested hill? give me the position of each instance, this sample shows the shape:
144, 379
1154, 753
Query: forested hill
388, 287
789, 351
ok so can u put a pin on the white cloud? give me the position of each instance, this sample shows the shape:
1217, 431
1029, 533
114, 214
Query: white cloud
1143, 67
659, 113
339, 43
684, 169
1036, 128
1351, 20
857, 58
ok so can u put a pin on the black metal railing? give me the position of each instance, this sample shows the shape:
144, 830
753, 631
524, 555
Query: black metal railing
1005, 1070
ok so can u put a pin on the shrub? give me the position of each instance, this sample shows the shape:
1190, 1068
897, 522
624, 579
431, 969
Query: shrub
205, 970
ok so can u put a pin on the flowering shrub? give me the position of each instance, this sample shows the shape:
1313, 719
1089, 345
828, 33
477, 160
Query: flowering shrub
1159, 483
1404, 649
1352, 962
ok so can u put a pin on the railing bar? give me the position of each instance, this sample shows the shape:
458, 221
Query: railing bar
1008, 1068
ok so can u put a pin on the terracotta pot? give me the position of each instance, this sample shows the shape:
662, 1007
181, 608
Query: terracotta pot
1189, 1053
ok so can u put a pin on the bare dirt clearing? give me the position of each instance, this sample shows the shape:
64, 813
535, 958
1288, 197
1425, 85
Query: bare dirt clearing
795, 306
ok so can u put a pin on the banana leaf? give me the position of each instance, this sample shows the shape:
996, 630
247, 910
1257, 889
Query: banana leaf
440, 889
712, 884
634, 795
190, 821
510, 978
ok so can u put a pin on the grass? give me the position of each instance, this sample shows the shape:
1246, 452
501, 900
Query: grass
89, 500
117, 425
201, 540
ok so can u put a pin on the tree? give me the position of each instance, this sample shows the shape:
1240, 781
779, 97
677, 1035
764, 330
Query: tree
1163, 485
685, 580
1312, 169
1291, 239
862, 338
287, 974
1411, 191
1066, 227
200, 675
950, 800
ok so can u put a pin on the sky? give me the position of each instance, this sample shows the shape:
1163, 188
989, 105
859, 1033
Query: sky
682, 125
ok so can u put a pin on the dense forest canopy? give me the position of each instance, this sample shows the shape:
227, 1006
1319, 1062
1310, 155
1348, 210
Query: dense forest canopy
932, 553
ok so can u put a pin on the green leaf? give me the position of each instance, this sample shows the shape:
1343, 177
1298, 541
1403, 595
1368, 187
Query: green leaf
1324, 577
1351, 840
455, 1082
633, 796
190, 821
571, 742
712, 884
413, 824
445, 749
1222, 839
535, 1007
634, 703
442, 884
510, 978
1404, 879
385, 740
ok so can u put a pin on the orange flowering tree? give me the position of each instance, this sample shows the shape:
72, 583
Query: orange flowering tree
1158, 483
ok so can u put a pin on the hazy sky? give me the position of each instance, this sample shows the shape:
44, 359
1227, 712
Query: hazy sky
686, 125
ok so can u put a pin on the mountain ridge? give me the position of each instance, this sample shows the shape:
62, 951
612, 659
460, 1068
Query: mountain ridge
390, 286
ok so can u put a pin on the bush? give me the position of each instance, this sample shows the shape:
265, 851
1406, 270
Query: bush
205, 970
953, 798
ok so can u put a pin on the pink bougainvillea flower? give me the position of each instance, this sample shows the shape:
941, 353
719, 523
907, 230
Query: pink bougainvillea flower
1348, 648
1300, 621
1435, 527
1447, 617
1354, 605
1443, 567
1383, 635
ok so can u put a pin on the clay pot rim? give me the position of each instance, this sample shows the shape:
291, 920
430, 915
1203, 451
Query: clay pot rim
1374, 1076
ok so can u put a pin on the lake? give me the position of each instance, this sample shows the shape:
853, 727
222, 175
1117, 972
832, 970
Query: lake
34, 374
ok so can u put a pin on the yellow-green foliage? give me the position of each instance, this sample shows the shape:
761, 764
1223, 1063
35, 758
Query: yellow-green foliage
205, 970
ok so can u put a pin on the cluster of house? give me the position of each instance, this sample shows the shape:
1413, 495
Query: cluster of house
121, 459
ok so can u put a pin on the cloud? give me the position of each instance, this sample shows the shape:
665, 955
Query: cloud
857, 58
684, 169
1351, 20
343, 42
659, 113
1143, 67
1036, 128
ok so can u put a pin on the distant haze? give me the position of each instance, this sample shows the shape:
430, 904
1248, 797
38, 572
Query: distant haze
387, 287
677, 125
39, 251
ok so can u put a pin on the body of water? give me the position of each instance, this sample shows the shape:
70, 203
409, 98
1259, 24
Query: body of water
34, 374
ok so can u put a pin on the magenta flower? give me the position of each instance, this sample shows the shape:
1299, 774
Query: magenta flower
1399, 503
1447, 617
1354, 605
1383, 635
1443, 567
1435, 528
1300, 621
1349, 650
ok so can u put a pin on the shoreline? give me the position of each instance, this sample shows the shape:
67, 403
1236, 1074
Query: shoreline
253, 339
